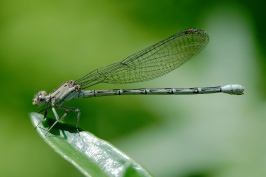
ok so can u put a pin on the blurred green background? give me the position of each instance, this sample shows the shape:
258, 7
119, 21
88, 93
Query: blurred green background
45, 43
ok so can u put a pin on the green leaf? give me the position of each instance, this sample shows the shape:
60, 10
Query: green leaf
91, 155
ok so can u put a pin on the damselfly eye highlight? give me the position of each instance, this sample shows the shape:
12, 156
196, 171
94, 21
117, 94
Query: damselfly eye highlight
39, 98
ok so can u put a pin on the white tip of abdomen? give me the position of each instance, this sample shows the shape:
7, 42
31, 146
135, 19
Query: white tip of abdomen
234, 89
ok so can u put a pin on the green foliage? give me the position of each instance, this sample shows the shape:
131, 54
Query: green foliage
91, 155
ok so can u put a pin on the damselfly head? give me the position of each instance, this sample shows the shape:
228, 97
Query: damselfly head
40, 98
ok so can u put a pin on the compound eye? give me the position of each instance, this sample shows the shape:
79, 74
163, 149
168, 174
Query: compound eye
41, 98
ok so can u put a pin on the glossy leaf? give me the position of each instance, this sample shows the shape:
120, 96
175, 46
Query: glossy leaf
91, 155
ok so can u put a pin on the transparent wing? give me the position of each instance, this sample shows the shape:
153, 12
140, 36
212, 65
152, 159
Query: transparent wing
152, 62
